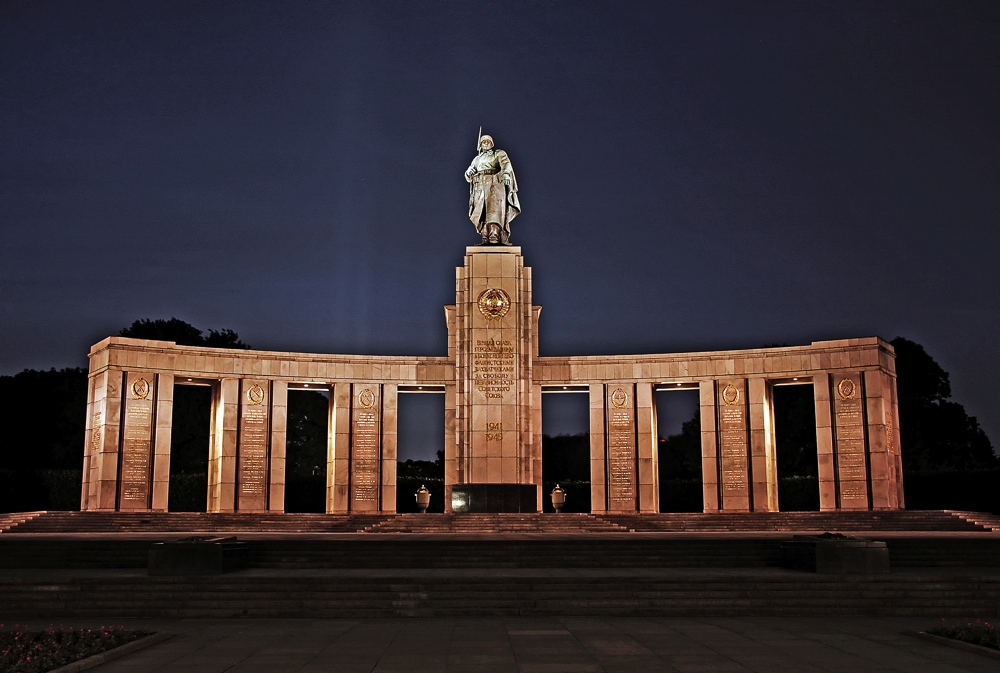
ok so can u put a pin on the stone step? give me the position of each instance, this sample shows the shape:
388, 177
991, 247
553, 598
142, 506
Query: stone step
178, 522
253, 594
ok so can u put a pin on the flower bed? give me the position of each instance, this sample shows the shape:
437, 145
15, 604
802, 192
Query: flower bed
985, 634
25, 651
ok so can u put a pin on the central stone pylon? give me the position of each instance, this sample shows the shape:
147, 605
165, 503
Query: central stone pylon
493, 419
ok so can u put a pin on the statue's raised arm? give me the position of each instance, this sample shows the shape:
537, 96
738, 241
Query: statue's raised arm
492, 193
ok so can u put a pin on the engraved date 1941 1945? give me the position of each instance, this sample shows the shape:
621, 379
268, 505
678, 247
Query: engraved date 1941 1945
494, 432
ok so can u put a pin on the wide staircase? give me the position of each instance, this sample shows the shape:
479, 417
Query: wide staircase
476, 524
845, 522
498, 524
484, 565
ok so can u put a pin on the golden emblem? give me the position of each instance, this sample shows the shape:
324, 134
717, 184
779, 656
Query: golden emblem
494, 303
140, 389
619, 398
366, 399
255, 394
730, 395
847, 390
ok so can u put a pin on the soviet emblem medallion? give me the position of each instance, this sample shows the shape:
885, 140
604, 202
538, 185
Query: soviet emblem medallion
366, 399
847, 390
619, 398
730, 395
494, 303
140, 389
255, 394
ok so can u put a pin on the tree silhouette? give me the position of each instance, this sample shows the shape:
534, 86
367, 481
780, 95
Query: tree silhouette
182, 333
935, 432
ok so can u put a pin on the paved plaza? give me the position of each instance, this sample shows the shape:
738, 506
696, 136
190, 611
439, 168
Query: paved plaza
545, 645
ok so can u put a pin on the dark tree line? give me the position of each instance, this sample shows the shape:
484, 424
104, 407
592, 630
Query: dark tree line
948, 460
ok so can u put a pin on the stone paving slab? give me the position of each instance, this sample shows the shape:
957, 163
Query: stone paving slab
543, 645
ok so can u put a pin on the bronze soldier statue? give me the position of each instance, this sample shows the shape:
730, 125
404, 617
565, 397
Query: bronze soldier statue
492, 193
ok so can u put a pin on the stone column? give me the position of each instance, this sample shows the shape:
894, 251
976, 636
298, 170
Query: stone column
647, 449
763, 469
161, 439
366, 448
824, 443
598, 451
279, 433
103, 429
135, 484
222, 448
451, 461
734, 445
880, 398
710, 465
622, 455
492, 323
850, 440
338, 472
390, 406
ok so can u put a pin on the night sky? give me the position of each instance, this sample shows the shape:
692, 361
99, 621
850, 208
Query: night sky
693, 175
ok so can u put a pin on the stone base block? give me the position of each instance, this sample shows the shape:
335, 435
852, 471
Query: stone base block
483, 498
198, 556
833, 553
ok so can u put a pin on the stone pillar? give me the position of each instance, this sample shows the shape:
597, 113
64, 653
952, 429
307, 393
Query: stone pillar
763, 466
710, 465
647, 448
103, 428
135, 483
161, 441
338, 461
850, 440
531, 465
387, 463
734, 445
366, 448
279, 433
880, 389
253, 445
824, 443
451, 452
622, 456
598, 451
222, 447
492, 322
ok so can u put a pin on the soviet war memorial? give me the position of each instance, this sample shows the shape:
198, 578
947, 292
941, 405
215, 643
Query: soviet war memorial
711, 451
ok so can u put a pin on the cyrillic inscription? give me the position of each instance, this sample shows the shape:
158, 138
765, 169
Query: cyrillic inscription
365, 451
253, 450
136, 446
850, 432
494, 367
733, 446
621, 452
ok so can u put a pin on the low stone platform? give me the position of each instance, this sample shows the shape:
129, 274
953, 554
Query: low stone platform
452, 592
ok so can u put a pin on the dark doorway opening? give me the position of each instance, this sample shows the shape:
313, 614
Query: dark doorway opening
190, 441
306, 450
566, 448
678, 433
795, 447
419, 448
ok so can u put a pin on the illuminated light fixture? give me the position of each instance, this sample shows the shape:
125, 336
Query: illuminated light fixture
795, 378
189, 379
565, 387
306, 385
420, 387
678, 385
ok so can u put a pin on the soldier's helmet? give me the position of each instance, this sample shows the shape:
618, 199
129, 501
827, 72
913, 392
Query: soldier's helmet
486, 139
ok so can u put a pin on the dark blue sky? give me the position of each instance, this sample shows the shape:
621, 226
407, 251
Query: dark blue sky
694, 175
